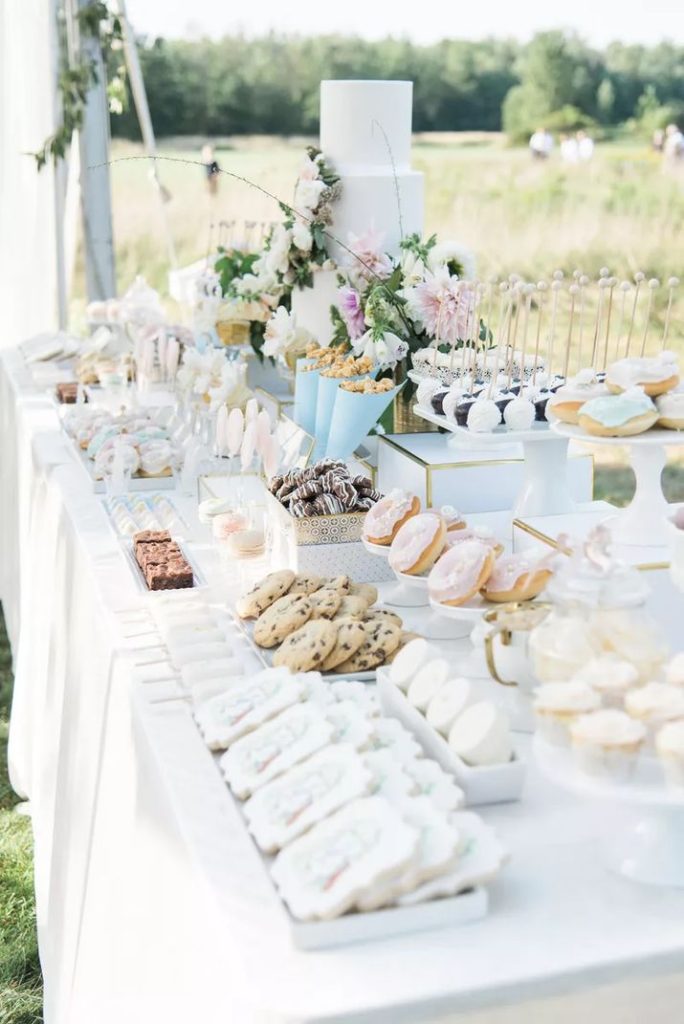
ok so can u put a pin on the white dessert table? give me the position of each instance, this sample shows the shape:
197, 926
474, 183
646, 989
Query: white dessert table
147, 908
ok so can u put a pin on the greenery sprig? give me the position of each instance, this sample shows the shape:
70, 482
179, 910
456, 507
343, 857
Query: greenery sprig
98, 22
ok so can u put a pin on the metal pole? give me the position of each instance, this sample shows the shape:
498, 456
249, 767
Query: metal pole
59, 179
96, 198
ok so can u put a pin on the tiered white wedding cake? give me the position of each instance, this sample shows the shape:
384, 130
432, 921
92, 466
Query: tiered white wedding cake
366, 136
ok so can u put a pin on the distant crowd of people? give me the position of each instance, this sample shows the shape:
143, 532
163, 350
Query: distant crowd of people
579, 148
574, 149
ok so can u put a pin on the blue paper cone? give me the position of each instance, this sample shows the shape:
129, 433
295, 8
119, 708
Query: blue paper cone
306, 391
325, 403
353, 418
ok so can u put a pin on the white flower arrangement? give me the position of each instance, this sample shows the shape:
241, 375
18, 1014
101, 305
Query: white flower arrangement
282, 333
208, 377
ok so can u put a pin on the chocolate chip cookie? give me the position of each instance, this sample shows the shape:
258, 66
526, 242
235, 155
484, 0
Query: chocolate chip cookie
308, 647
381, 639
325, 603
282, 618
264, 593
306, 583
350, 636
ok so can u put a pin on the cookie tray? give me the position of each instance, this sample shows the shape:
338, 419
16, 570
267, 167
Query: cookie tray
135, 483
265, 656
492, 784
391, 922
141, 584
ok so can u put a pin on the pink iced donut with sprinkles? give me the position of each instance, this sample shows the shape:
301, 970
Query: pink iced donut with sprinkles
385, 519
418, 544
461, 572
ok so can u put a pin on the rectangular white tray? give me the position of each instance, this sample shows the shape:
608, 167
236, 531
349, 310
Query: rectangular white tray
493, 784
179, 515
199, 580
265, 655
143, 483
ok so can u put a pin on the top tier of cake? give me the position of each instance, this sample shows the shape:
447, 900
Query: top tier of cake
366, 126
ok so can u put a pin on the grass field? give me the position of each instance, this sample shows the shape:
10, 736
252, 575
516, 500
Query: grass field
20, 982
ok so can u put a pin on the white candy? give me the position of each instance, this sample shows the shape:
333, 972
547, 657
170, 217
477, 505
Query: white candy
427, 682
408, 661
452, 698
481, 735
484, 416
519, 414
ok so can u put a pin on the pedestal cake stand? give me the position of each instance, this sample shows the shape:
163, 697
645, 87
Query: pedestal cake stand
545, 490
643, 523
649, 846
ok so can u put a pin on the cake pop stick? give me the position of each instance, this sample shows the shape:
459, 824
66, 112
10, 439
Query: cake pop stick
504, 294
624, 288
653, 285
671, 284
583, 282
597, 322
542, 287
556, 286
528, 292
519, 290
573, 291
638, 278
611, 282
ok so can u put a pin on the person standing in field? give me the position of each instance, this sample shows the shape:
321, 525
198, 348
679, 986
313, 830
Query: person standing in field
585, 146
211, 169
569, 149
541, 144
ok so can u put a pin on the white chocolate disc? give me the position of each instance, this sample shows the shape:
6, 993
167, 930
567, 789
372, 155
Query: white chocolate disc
408, 661
427, 682
452, 698
481, 735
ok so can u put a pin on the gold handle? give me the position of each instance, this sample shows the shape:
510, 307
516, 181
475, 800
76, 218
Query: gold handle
489, 653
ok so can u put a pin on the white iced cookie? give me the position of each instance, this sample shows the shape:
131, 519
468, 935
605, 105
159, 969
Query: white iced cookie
432, 781
274, 747
427, 682
304, 795
320, 875
451, 699
243, 707
390, 778
185, 654
364, 696
389, 734
408, 661
655, 703
480, 859
197, 671
609, 675
674, 670
437, 852
350, 724
483, 416
481, 735
519, 414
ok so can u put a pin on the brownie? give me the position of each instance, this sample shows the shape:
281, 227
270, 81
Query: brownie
146, 537
172, 576
67, 392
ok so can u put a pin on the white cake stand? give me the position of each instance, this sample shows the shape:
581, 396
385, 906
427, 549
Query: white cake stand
399, 594
648, 848
545, 489
425, 622
643, 522
463, 617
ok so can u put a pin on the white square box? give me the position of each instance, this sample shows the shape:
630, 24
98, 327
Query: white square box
472, 480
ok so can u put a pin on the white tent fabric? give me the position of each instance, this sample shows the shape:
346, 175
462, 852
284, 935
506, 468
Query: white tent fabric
28, 267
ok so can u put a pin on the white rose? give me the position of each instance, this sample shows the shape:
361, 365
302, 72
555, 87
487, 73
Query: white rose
444, 252
302, 237
307, 195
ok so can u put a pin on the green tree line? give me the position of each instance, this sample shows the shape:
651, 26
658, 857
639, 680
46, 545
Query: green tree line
240, 85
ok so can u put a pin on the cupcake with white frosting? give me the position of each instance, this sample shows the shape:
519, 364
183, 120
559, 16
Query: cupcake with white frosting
655, 704
669, 744
610, 676
674, 670
606, 744
558, 705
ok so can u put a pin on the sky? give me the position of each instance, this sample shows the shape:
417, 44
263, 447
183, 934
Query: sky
599, 21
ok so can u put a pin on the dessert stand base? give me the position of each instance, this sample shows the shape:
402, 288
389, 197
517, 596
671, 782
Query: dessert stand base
545, 490
647, 845
643, 522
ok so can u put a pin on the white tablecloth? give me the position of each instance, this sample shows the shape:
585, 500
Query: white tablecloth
150, 906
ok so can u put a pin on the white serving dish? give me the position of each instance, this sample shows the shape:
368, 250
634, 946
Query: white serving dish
135, 483
487, 785
265, 656
199, 580
391, 921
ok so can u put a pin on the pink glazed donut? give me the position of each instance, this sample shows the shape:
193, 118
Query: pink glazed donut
517, 578
461, 572
418, 544
383, 521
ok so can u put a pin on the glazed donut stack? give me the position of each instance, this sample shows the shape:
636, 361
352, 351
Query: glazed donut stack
326, 488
